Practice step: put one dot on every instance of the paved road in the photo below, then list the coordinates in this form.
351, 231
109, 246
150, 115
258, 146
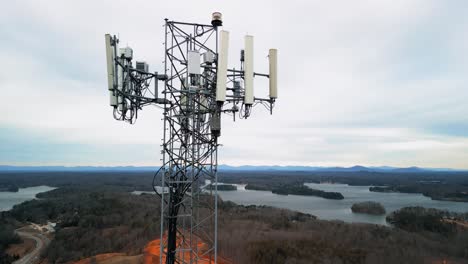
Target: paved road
33, 256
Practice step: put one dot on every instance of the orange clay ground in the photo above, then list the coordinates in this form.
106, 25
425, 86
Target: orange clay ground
151, 255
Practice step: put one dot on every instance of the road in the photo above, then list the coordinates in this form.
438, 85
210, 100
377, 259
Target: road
458, 222
41, 243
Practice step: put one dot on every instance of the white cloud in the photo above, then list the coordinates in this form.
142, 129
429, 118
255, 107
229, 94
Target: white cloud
361, 81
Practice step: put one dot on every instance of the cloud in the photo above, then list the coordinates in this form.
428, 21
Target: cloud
361, 82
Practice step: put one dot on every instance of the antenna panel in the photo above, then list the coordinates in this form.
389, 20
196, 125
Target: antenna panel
193, 63
110, 62
248, 71
208, 57
142, 66
120, 81
126, 52
221, 77
273, 56
113, 98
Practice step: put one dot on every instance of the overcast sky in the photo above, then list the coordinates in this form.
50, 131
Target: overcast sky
361, 82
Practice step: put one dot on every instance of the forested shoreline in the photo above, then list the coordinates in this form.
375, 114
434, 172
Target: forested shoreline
97, 214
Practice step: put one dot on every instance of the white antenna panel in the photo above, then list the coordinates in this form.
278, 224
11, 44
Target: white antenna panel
208, 57
113, 98
110, 62
222, 66
120, 80
193, 63
273, 56
126, 52
248, 71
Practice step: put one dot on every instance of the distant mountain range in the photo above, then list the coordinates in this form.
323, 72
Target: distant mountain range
356, 168
6, 168
76, 168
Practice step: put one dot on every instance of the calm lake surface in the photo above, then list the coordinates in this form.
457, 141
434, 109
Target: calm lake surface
9, 199
339, 209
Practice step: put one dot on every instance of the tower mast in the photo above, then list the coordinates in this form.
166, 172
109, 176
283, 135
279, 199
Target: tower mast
198, 89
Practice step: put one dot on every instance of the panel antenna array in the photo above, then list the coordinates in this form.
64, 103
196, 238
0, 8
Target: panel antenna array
197, 88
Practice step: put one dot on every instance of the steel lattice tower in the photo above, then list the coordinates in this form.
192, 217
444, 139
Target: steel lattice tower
196, 80
190, 147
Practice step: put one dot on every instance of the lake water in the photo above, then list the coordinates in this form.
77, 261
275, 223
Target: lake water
9, 199
339, 209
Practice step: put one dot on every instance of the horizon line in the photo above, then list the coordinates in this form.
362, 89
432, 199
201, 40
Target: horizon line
381, 167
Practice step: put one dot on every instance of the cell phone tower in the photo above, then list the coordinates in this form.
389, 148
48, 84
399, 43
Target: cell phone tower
198, 87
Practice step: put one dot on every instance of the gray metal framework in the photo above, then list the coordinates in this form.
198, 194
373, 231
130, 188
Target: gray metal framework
187, 180
190, 148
